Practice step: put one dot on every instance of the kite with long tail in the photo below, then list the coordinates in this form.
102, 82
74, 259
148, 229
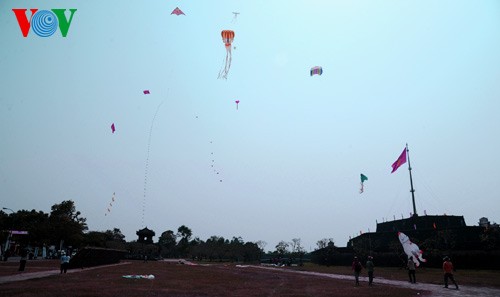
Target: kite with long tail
363, 178
147, 163
110, 204
227, 38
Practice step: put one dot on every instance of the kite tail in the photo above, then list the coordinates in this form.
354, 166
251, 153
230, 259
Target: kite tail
225, 71
147, 163
362, 189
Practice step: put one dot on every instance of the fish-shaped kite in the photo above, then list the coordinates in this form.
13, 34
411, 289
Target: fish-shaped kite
411, 249
113, 128
177, 11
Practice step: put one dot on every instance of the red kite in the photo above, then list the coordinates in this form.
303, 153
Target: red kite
227, 38
177, 11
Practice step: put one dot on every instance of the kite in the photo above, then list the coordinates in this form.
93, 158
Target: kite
147, 162
177, 11
227, 38
113, 128
318, 70
235, 16
411, 249
110, 204
146, 92
237, 102
363, 178
214, 166
139, 276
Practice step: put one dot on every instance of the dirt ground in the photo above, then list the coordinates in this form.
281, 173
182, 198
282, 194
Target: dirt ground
174, 279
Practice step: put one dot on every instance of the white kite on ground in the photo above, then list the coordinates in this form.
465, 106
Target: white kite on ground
145, 276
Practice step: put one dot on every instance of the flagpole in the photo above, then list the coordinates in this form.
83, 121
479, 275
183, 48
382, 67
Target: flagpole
411, 182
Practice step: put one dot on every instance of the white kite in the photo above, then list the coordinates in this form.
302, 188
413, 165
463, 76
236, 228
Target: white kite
411, 249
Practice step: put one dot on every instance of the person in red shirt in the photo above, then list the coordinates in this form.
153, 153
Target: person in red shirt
448, 272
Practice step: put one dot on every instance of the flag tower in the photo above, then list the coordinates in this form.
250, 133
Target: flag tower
411, 182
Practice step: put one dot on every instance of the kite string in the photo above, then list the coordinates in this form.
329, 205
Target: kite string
147, 162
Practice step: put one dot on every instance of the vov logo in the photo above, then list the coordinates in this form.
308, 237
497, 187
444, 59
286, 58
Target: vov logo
43, 22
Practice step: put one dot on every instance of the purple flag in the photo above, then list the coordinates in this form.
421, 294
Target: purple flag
400, 161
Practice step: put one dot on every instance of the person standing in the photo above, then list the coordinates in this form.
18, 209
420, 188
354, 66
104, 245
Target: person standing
448, 272
24, 256
369, 268
64, 262
356, 267
411, 270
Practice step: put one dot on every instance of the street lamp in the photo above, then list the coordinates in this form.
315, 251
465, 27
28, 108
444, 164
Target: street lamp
8, 236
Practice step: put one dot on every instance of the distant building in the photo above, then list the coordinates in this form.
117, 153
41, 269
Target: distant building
447, 231
483, 222
436, 235
145, 235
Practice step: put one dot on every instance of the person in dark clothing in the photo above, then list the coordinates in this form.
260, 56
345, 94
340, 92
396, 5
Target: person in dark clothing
411, 270
370, 267
356, 267
22, 263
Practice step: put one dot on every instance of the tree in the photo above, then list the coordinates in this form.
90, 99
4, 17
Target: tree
167, 243
298, 250
323, 243
325, 253
66, 224
116, 235
490, 239
184, 233
183, 245
282, 248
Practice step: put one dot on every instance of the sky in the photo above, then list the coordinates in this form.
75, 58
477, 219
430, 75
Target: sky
289, 158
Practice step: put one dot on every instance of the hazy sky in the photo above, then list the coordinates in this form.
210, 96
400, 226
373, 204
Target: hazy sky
426, 73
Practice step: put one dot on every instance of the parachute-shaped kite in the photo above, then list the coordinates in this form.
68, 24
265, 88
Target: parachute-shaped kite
177, 11
110, 204
227, 38
363, 178
318, 70
411, 249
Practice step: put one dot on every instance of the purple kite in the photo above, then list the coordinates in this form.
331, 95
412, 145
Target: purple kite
177, 11
113, 128
146, 92
237, 102
316, 70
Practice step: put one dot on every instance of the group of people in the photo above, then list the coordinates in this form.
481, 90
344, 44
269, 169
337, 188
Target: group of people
357, 267
410, 265
24, 255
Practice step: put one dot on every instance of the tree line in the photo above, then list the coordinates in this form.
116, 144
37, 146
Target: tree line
65, 227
